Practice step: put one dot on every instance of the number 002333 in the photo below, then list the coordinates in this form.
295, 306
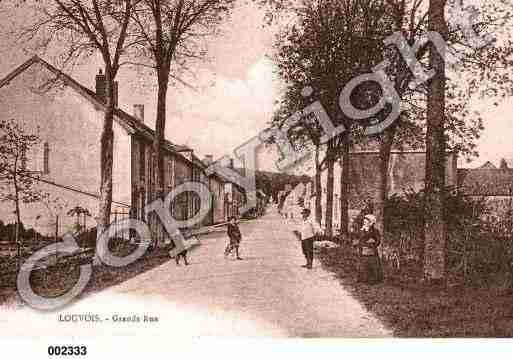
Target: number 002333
67, 350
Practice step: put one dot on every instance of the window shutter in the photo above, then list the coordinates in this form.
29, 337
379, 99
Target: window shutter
34, 158
46, 158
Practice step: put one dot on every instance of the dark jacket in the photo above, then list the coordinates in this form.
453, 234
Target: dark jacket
234, 232
367, 246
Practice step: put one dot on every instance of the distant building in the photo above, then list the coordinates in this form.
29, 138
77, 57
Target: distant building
506, 163
406, 172
493, 185
217, 189
488, 165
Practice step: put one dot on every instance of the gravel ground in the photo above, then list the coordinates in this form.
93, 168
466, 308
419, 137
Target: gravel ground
266, 294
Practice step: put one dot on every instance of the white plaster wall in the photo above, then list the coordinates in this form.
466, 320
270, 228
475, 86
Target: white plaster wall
72, 127
336, 195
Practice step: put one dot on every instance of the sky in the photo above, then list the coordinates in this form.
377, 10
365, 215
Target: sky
235, 93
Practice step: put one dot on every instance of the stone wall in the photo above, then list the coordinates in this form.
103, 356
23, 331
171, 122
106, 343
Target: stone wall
406, 172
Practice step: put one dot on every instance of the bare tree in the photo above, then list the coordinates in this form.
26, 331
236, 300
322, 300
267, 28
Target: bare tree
318, 186
85, 27
17, 180
169, 34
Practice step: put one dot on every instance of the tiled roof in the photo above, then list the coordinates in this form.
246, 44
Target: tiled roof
488, 165
127, 121
198, 162
485, 181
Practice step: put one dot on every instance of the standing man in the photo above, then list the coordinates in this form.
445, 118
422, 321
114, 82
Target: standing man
306, 233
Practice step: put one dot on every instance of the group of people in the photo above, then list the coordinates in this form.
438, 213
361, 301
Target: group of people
366, 242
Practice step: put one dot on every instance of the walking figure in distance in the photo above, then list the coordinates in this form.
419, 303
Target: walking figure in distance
235, 237
306, 233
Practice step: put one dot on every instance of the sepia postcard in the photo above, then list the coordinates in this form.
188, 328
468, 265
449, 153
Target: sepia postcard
190, 177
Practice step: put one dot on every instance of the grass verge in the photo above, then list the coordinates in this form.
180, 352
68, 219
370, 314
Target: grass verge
412, 309
56, 280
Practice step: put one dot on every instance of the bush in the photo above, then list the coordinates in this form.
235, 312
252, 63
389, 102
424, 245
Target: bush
407, 210
87, 239
477, 251
8, 232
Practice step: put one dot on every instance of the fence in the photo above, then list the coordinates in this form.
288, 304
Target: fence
120, 214
8, 271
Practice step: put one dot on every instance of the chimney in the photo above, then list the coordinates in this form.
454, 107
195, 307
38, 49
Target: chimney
100, 88
208, 159
100, 85
139, 112
243, 169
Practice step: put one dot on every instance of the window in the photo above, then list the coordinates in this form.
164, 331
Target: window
24, 159
46, 158
171, 173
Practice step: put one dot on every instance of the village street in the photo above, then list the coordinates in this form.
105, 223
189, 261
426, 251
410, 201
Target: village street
266, 294
268, 288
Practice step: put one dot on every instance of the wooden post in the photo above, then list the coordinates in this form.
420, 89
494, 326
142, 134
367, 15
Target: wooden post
18, 247
56, 235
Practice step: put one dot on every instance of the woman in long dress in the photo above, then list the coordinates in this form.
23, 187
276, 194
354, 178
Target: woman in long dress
370, 270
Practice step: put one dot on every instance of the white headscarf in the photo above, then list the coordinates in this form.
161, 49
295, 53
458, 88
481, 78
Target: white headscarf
371, 218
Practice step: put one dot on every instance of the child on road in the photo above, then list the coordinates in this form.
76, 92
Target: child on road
235, 237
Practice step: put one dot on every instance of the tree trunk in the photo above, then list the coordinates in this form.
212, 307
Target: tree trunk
382, 181
158, 159
434, 229
106, 157
160, 128
344, 187
18, 217
318, 187
329, 193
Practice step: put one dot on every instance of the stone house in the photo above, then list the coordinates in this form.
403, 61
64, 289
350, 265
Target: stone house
235, 199
217, 189
228, 197
70, 118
